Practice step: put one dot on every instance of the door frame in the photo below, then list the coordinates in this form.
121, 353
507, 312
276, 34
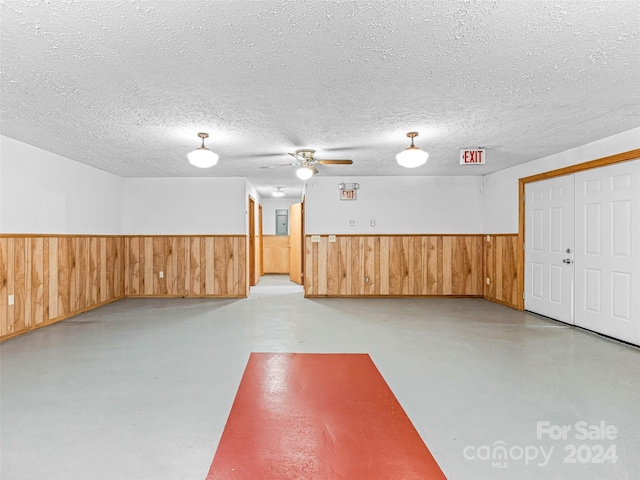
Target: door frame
260, 241
303, 243
296, 245
252, 241
580, 167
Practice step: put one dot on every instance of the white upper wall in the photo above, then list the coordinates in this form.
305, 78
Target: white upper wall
41, 192
411, 205
185, 206
501, 188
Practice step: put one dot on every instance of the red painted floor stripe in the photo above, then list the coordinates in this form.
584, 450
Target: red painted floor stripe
318, 416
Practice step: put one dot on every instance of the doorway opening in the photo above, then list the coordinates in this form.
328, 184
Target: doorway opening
282, 249
276, 284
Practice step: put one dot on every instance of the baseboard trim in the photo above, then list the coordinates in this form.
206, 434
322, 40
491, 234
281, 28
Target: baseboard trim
58, 319
185, 296
392, 296
506, 304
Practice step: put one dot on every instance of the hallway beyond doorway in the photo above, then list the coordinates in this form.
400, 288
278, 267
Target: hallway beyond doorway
275, 284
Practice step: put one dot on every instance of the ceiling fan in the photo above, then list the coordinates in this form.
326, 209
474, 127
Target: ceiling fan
307, 163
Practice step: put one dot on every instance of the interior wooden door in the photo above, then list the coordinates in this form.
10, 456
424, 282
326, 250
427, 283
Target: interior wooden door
252, 242
549, 244
260, 240
608, 250
276, 254
295, 243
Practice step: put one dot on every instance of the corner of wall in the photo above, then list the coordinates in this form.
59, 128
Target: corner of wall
483, 223
2, 189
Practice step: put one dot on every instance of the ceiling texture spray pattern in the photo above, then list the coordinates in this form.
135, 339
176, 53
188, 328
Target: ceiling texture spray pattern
125, 86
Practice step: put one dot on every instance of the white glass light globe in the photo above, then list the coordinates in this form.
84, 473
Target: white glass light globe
412, 157
202, 158
304, 173
277, 193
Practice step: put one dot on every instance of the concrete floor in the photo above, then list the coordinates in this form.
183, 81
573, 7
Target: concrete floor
141, 389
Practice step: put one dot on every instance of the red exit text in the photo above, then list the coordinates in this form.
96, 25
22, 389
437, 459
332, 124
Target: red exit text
472, 157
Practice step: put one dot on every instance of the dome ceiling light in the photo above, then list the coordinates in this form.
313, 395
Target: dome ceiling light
412, 156
203, 157
305, 172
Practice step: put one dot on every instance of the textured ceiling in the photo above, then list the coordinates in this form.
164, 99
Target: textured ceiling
126, 85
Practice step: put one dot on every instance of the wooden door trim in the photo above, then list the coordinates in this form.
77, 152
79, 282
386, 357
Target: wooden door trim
252, 241
260, 240
597, 163
302, 241
296, 243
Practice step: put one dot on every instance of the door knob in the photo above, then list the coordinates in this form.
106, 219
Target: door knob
566, 260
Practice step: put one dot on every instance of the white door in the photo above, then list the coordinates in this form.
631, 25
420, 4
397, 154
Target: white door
607, 257
549, 230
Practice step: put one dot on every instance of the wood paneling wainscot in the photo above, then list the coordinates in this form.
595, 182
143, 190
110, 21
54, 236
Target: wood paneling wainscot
394, 265
501, 268
276, 253
54, 277
191, 266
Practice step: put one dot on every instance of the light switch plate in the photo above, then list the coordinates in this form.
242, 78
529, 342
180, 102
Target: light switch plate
161, 274
332, 238
315, 238
11, 299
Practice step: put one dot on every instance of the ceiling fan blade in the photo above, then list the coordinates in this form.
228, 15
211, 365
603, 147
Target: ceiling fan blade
265, 155
344, 149
334, 162
281, 165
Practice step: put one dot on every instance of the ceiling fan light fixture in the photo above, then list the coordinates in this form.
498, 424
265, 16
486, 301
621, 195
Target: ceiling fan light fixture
277, 192
202, 157
412, 156
304, 173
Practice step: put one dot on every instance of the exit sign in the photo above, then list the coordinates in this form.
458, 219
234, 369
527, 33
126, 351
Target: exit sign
472, 157
347, 194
